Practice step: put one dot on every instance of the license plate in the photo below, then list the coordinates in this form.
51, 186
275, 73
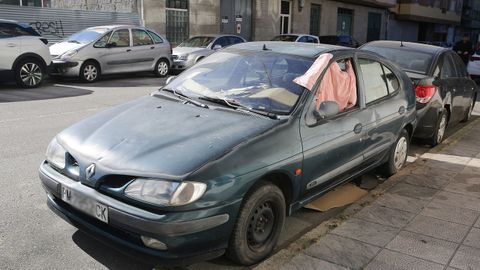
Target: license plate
85, 204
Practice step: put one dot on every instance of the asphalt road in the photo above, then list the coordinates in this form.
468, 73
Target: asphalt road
31, 236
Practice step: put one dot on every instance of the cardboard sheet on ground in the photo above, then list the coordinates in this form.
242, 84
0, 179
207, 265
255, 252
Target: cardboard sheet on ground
343, 195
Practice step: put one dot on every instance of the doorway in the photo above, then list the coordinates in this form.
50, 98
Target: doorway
236, 18
315, 13
344, 21
374, 26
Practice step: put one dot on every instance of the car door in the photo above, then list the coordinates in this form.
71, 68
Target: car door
332, 147
116, 56
452, 87
10, 45
162, 47
144, 51
469, 86
385, 107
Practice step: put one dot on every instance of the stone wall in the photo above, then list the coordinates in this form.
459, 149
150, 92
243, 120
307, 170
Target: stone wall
126, 6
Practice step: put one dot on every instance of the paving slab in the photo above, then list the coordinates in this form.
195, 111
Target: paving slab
451, 213
305, 262
386, 216
343, 251
432, 181
368, 232
466, 258
453, 165
404, 189
400, 202
424, 247
437, 228
433, 172
473, 238
292, 226
467, 184
459, 200
391, 260
477, 224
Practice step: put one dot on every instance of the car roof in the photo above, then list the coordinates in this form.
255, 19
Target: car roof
217, 35
310, 50
8, 21
116, 26
407, 46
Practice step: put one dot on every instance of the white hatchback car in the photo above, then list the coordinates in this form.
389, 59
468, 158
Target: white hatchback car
24, 55
101, 50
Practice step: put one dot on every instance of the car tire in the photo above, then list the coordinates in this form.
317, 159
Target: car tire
468, 113
440, 128
89, 72
397, 157
29, 73
259, 224
162, 68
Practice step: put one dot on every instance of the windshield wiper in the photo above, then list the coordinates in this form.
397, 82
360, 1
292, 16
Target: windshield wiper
73, 41
185, 98
237, 106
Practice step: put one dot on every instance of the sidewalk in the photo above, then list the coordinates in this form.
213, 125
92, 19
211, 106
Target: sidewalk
425, 217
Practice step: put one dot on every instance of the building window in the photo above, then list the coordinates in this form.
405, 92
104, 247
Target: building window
177, 20
285, 17
344, 21
29, 3
315, 12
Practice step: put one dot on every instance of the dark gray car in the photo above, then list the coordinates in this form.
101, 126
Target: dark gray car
445, 92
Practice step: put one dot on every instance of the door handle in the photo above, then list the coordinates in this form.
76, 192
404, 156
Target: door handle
153, 47
358, 128
11, 45
129, 50
401, 110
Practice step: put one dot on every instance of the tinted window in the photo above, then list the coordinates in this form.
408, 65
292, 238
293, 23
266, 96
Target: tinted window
302, 39
288, 38
374, 80
448, 68
312, 40
7, 30
141, 38
459, 66
328, 39
197, 42
121, 38
408, 60
235, 40
155, 37
222, 41
27, 30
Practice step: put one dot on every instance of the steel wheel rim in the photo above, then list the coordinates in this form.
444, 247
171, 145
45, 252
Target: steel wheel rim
400, 154
162, 68
90, 72
31, 74
441, 128
261, 225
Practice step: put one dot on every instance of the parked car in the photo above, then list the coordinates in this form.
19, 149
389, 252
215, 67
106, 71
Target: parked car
445, 93
215, 160
346, 41
194, 49
24, 55
473, 66
102, 50
297, 38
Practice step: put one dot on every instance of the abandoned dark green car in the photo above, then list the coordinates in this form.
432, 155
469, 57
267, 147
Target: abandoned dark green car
213, 162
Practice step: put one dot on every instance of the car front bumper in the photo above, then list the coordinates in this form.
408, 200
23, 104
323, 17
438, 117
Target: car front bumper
180, 65
66, 68
189, 236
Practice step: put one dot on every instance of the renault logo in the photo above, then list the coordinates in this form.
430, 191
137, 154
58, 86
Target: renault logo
90, 171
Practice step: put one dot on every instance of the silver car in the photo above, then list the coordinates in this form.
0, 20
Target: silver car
103, 50
195, 48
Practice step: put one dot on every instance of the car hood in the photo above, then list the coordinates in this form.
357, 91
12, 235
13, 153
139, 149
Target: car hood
157, 137
63, 47
188, 50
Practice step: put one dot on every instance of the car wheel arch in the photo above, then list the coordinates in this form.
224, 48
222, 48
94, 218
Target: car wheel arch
409, 128
166, 59
96, 62
27, 56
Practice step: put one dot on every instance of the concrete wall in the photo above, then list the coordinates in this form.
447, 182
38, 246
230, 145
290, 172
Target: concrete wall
126, 6
154, 15
266, 19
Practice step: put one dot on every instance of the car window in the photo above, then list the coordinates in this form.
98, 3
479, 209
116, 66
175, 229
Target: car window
222, 41
235, 40
7, 30
302, 39
393, 83
448, 68
121, 38
459, 66
374, 80
141, 38
103, 41
155, 37
312, 40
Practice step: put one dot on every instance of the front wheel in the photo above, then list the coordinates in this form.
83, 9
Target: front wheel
29, 73
90, 72
162, 68
397, 156
258, 226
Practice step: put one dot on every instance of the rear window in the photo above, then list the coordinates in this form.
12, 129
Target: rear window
288, 38
408, 60
328, 39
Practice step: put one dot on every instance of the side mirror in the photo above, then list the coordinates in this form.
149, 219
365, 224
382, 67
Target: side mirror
170, 79
327, 109
217, 47
111, 45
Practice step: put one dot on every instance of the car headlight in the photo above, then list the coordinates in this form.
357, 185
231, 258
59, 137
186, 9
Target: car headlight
56, 154
183, 57
69, 54
167, 193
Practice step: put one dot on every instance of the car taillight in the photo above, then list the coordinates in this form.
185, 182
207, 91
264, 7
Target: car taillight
44, 40
425, 92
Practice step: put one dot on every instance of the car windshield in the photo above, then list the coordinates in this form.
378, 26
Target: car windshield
408, 60
257, 80
86, 36
201, 42
289, 38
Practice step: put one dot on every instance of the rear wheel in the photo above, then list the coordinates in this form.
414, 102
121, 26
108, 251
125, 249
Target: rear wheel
397, 156
441, 126
162, 68
29, 73
258, 226
468, 114
90, 72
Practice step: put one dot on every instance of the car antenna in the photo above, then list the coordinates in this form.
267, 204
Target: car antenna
265, 48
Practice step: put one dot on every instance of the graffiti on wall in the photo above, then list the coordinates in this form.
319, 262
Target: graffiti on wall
53, 28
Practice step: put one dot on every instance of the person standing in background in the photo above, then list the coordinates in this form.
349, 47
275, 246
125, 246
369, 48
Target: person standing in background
464, 48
